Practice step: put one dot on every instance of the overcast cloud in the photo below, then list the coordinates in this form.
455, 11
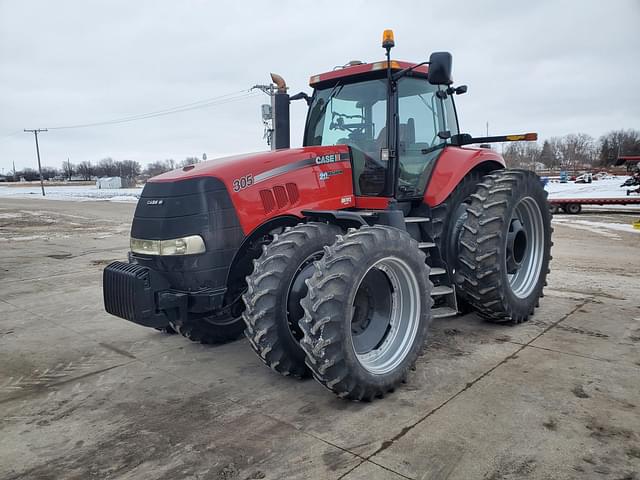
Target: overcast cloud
555, 67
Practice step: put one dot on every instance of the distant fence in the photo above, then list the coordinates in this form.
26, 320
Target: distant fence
555, 172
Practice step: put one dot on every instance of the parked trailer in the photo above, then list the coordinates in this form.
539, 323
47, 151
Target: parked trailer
574, 205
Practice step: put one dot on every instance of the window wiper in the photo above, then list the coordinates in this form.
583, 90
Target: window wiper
404, 71
433, 149
337, 88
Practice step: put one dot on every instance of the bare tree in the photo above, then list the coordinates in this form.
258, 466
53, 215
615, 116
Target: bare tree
522, 155
618, 142
555, 145
49, 172
107, 167
68, 169
86, 170
579, 151
29, 174
128, 168
160, 166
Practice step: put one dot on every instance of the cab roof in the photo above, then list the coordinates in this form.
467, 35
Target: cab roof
352, 70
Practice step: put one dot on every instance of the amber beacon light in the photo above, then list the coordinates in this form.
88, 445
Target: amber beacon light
387, 39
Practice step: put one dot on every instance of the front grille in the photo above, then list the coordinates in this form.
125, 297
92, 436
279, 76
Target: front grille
196, 206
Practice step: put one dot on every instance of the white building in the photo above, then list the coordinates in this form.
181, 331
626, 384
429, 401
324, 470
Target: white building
109, 182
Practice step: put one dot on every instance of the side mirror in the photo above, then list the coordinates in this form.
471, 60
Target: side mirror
461, 139
440, 65
457, 90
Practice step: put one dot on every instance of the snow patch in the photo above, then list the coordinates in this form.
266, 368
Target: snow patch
605, 188
82, 193
601, 228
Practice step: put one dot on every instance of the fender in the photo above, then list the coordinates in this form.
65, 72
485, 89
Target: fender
241, 265
451, 167
342, 218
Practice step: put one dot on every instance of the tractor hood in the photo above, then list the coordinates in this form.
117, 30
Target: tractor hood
255, 187
238, 170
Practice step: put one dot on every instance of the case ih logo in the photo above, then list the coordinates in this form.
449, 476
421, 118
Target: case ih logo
155, 202
322, 159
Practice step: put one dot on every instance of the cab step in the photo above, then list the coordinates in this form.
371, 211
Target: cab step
426, 244
441, 290
443, 312
416, 219
436, 271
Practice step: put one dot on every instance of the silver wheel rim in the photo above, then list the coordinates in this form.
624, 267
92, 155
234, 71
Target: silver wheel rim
403, 318
530, 254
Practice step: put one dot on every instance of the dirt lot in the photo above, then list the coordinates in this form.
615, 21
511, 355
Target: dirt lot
85, 395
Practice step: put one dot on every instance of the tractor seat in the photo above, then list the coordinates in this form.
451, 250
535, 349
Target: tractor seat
406, 133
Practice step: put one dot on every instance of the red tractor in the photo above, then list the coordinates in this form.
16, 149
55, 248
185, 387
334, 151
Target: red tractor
334, 258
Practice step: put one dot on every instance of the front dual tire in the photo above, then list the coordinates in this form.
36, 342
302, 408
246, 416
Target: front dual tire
274, 291
361, 318
367, 312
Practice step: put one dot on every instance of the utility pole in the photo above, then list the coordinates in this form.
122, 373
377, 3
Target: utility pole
35, 132
267, 113
14, 170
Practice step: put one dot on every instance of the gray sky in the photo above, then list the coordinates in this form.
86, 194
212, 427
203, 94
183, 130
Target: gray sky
555, 67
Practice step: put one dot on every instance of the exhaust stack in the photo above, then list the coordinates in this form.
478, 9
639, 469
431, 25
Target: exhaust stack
280, 108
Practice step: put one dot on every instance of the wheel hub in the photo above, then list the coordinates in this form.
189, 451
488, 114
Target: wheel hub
371, 311
386, 311
516, 245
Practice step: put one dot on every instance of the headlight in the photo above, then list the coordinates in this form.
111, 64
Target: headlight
178, 246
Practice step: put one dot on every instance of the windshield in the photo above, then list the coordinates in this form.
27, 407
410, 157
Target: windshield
355, 115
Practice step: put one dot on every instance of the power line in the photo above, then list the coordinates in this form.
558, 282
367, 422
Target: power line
205, 103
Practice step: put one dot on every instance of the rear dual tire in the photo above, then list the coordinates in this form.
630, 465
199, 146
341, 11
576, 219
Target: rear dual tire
505, 246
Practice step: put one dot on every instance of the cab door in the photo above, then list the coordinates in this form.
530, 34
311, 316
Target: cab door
423, 113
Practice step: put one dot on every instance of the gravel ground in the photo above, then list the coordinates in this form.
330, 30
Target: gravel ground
86, 395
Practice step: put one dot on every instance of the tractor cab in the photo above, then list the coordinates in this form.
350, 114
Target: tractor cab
395, 118
352, 107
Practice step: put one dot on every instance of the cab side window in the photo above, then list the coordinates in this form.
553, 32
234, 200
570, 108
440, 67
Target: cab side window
421, 118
